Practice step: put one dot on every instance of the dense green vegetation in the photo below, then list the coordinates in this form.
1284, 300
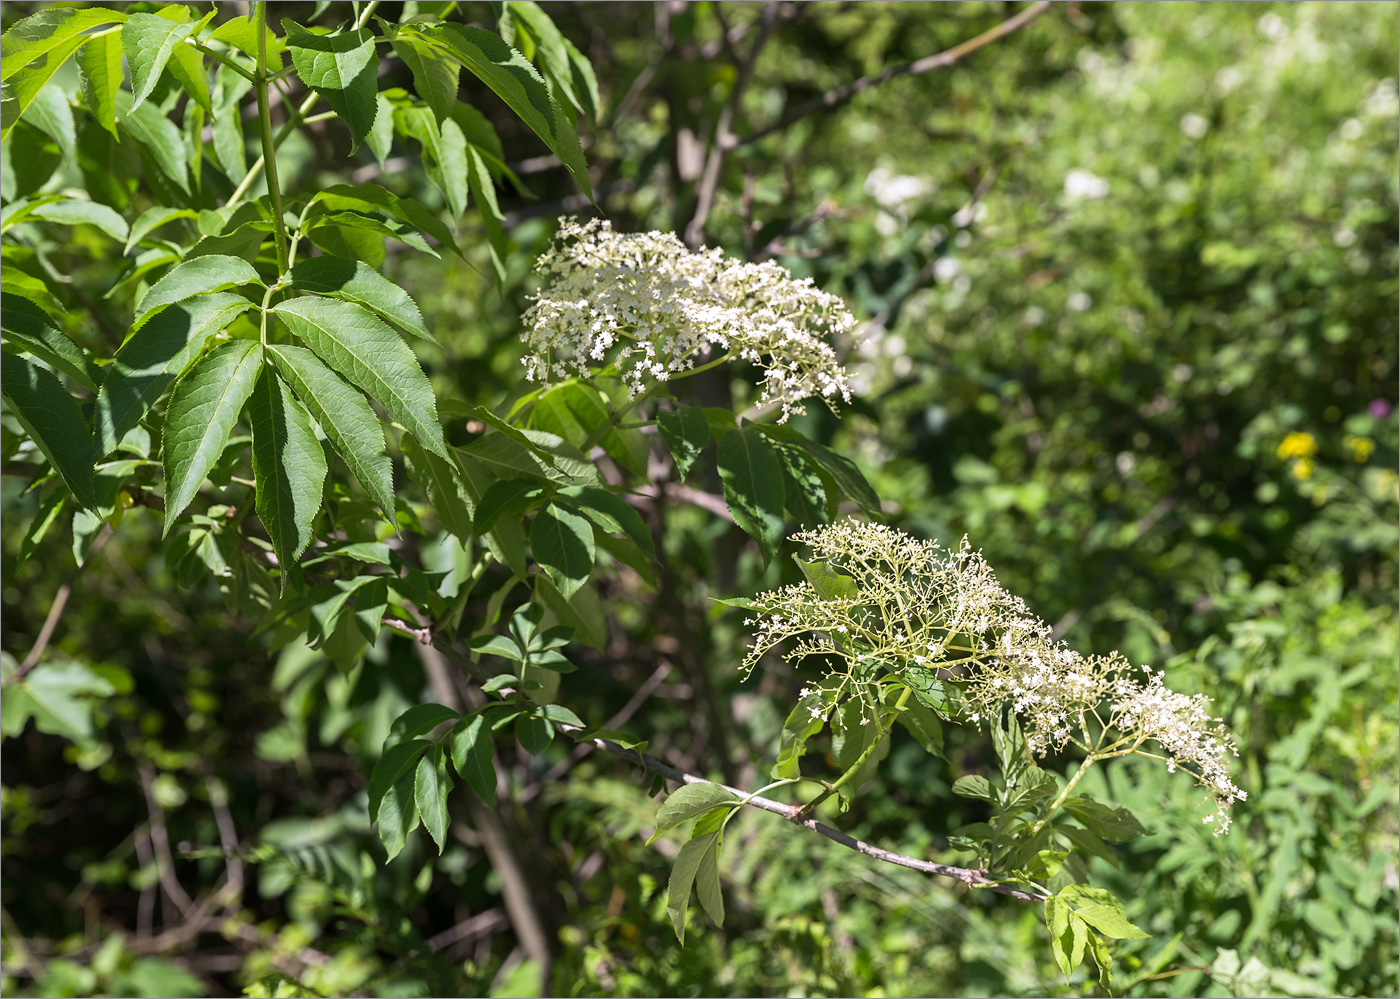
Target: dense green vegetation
1124, 278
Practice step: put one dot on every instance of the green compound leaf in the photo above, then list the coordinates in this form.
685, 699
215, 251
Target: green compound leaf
158, 134
431, 786
752, 477
52, 114
483, 192
444, 156
342, 68
100, 73
1116, 825
686, 432
341, 410
375, 199
71, 211
394, 764
288, 466
40, 34
435, 74
612, 513
199, 276
398, 815
149, 40
53, 421
472, 753
563, 545
515, 81
201, 416
502, 497
354, 342
683, 873
32, 332
534, 733
156, 355
443, 483
355, 281
690, 801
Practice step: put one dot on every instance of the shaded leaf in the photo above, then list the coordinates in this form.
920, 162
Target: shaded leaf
202, 413
100, 74
686, 432
612, 513
27, 331
355, 281
683, 872
158, 134
752, 478
288, 466
51, 417
431, 786
342, 68
563, 546
435, 74
394, 763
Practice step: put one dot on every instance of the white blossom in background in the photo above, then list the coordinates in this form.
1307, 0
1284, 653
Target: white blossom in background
653, 307
916, 606
1081, 184
1193, 126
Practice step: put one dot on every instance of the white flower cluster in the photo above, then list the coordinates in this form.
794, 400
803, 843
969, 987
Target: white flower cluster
906, 606
654, 307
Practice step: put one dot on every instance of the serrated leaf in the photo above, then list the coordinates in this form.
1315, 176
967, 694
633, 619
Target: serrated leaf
1116, 825
826, 582
417, 720
686, 432
201, 416
689, 801
153, 218
371, 601
51, 417
472, 755
158, 134
515, 81
844, 471
18, 94
1110, 920
804, 721
47, 515
431, 786
483, 193
148, 41
707, 887
288, 466
502, 497
533, 733
683, 872
353, 341
974, 786
100, 74
51, 113
612, 513
71, 211
194, 277
155, 356
31, 38
381, 134
804, 494
58, 696
496, 645
398, 815
444, 486
346, 418
752, 477
435, 74
242, 33
562, 542
394, 764
356, 281
924, 725
444, 156
342, 68
374, 199
27, 331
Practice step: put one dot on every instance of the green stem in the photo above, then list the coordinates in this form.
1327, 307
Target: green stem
615, 418
364, 14
219, 57
269, 145
860, 762
1089, 761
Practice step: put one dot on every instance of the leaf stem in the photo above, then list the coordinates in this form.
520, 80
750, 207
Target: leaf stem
861, 760
269, 145
364, 14
219, 57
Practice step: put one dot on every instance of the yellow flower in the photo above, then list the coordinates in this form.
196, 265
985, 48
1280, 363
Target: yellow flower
1302, 468
1361, 447
1298, 445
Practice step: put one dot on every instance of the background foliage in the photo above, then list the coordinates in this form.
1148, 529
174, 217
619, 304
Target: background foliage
1129, 285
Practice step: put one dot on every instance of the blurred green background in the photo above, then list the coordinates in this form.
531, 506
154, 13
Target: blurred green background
1128, 288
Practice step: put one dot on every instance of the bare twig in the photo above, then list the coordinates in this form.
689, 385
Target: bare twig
468, 929
60, 601
722, 140
160, 843
840, 95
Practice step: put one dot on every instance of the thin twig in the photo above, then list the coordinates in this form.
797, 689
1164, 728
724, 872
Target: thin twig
723, 136
840, 95
968, 876
60, 601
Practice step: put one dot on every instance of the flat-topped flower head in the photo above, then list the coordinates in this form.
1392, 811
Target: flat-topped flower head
647, 303
912, 608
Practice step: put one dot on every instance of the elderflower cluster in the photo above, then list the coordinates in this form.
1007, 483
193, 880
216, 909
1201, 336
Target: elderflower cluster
654, 308
891, 604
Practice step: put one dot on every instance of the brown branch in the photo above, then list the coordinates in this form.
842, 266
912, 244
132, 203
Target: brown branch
840, 95
722, 141
968, 876
60, 601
